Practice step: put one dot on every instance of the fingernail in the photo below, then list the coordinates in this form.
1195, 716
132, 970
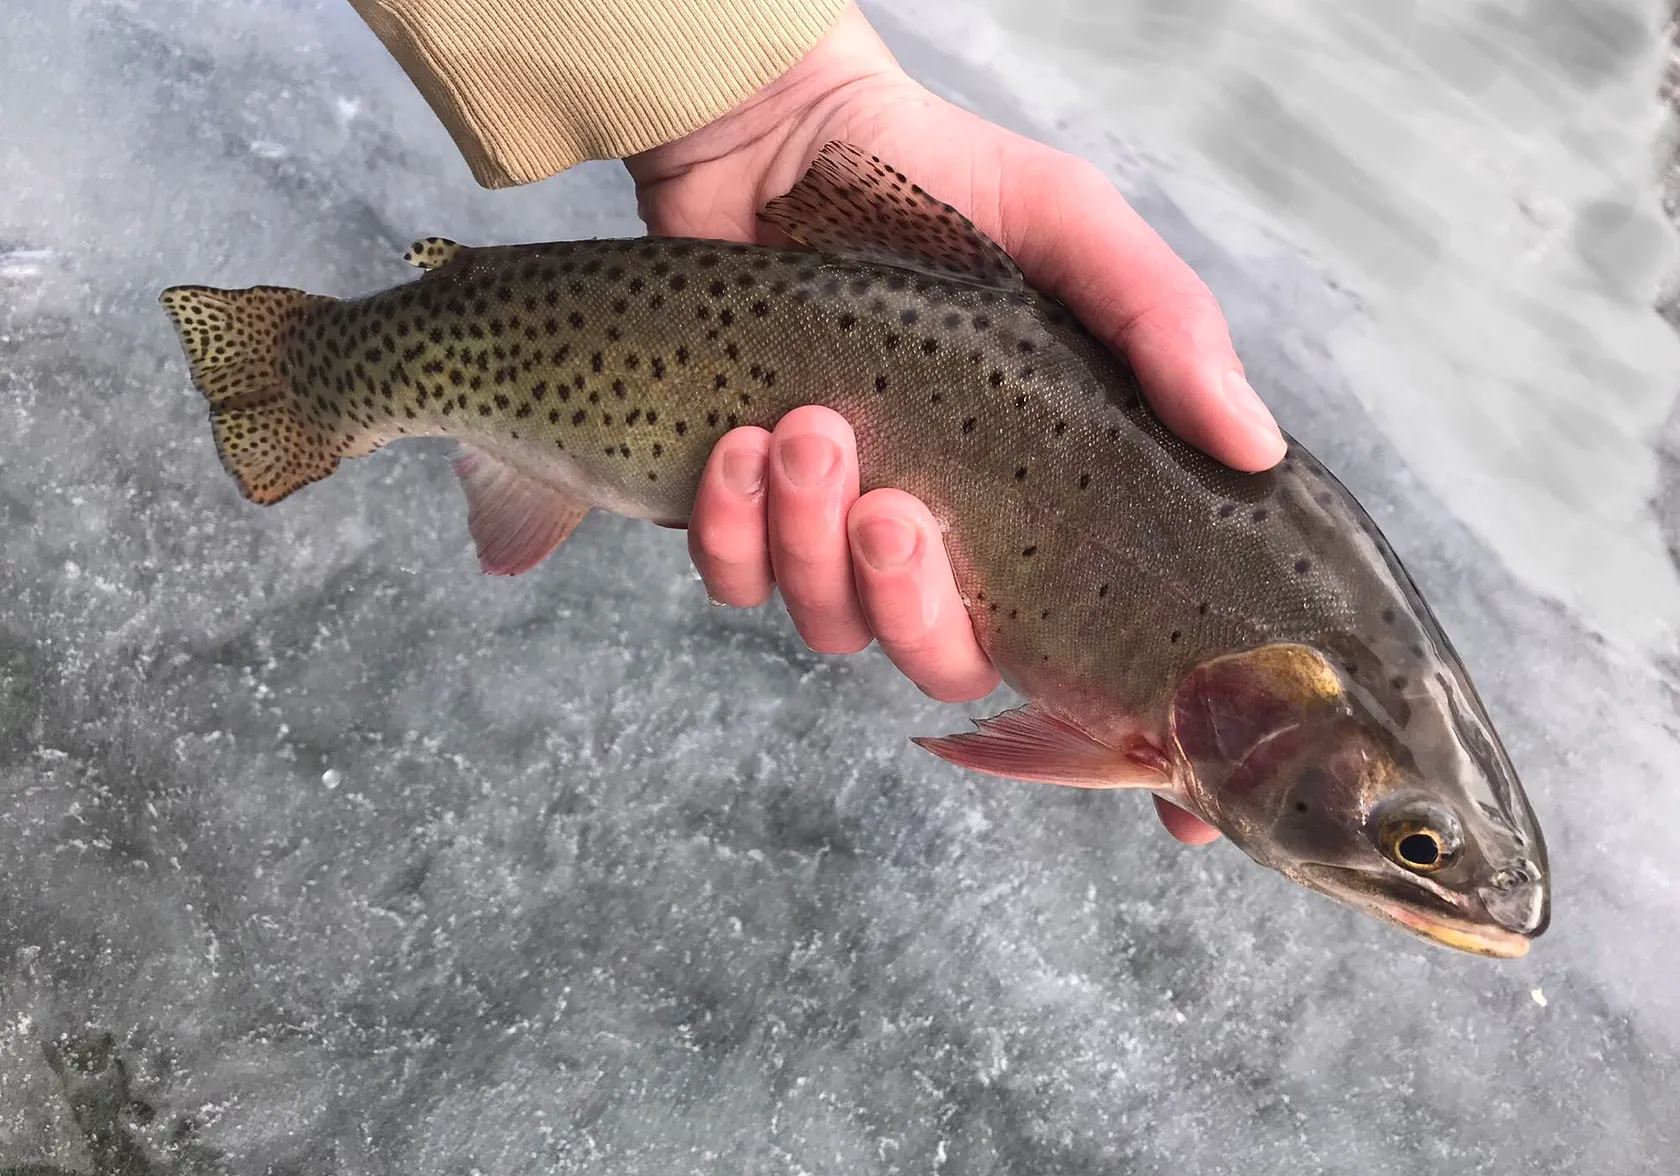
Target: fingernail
1242, 397
743, 472
808, 460
887, 543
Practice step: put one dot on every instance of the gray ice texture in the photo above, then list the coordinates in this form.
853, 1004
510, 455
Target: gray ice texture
322, 853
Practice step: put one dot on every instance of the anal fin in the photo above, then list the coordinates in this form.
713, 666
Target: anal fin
515, 520
1029, 743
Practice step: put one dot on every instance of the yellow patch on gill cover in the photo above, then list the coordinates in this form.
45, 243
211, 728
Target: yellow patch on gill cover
1296, 673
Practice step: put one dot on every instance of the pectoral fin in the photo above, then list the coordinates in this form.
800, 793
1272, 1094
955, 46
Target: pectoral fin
514, 519
1029, 743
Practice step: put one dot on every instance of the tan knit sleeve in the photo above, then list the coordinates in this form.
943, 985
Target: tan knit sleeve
530, 87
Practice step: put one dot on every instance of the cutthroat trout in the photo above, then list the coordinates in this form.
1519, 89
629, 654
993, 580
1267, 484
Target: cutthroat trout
1245, 645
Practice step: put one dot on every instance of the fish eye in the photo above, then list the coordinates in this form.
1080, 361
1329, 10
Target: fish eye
1421, 840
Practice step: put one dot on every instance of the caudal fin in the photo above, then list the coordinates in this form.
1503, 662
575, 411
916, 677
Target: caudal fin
232, 339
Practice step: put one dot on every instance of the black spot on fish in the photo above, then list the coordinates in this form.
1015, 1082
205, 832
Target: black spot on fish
1260, 514
981, 322
1398, 681
1021, 474
619, 390
717, 289
1175, 635
953, 321
881, 383
682, 428
682, 356
1302, 567
712, 419
678, 282
575, 318
968, 424
579, 416
1227, 509
596, 362
907, 316
1102, 591
732, 351
761, 309
1388, 616
1084, 481
1025, 347
929, 346
848, 321
1029, 551
996, 378
658, 367
720, 381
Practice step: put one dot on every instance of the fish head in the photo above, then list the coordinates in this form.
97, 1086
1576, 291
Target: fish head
1405, 808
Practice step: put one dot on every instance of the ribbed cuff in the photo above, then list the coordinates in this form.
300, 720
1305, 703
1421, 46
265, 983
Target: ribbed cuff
528, 88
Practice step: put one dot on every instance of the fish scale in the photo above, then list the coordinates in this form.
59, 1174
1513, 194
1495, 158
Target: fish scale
1134, 590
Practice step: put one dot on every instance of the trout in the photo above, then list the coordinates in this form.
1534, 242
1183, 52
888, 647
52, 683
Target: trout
1244, 645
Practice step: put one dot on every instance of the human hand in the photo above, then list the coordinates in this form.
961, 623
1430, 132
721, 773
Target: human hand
783, 508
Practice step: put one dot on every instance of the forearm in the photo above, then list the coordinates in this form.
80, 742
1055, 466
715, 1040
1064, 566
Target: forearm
528, 88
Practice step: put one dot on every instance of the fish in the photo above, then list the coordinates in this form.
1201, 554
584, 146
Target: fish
1245, 645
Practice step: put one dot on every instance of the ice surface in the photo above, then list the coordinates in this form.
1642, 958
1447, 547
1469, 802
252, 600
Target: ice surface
368, 863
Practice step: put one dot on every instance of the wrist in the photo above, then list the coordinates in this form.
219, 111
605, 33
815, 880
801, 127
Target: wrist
850, 61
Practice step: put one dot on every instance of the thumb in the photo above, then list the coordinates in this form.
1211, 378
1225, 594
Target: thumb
1080, 241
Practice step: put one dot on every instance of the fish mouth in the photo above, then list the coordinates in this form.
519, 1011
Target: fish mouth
1440, 925
1458, 933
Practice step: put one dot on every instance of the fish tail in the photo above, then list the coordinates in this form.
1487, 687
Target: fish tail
233, 341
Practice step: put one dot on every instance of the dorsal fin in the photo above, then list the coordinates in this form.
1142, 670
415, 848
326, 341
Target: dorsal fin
859, 206
429, 253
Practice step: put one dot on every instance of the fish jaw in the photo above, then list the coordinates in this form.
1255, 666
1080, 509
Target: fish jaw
1483, 937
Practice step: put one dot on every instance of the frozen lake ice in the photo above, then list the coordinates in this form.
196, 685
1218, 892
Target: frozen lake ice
368, 863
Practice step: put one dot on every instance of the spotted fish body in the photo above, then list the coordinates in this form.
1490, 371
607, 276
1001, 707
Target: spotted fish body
1167, 618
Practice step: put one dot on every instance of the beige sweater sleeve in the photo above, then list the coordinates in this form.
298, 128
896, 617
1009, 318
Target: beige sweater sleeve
530, 87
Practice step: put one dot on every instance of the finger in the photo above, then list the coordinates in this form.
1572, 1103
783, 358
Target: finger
811, 482
727, 528
910, 598
1188, 829
1083, 242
